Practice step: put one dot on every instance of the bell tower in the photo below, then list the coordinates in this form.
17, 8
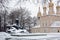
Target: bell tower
39, 16
44, 8
39, 13
51, 8
58, 8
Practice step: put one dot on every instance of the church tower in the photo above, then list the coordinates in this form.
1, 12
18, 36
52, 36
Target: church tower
58, 9
44, 8
51, 8
39, 14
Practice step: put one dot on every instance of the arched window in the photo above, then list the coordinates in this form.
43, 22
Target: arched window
38, 17
58, 30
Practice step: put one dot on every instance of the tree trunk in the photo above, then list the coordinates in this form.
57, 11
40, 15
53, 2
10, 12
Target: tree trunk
29, 30
4, 22
0, 24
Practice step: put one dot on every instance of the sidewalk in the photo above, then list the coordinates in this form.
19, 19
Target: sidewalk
50, 36
4, 35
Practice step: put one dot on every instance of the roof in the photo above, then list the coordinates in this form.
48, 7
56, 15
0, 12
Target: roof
56, 24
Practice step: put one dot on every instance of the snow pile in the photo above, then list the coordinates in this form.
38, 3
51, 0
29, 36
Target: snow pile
4, 35
37, 36
49, 36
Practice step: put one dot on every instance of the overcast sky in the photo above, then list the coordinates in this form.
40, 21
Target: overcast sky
32, 6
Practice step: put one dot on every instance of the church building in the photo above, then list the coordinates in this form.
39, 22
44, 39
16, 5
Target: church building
48, 23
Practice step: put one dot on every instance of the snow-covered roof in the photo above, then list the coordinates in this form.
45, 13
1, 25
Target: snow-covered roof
56, 24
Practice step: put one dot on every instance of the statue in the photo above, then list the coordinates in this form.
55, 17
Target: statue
17, 22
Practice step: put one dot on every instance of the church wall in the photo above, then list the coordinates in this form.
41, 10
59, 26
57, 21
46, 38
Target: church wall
58, 10
46, 21
46, 30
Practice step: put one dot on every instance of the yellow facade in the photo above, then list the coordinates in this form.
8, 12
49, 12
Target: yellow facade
46, 21
46, 30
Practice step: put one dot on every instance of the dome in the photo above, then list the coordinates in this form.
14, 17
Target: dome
51, 4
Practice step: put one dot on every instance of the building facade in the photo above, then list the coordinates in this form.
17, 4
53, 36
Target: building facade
48, 23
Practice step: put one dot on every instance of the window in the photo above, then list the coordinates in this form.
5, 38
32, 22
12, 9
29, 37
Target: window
58, 30
45, 30
43, 24
38, 17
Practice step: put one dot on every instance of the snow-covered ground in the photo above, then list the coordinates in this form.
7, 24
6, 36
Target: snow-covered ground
49, 36
4, 35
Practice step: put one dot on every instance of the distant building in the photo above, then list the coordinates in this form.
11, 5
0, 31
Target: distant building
48, 23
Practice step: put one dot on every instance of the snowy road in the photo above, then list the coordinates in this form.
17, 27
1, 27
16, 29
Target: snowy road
50, 36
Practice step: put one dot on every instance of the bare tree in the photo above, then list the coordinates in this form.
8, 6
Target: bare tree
0, 23
22, 16
3, 12
34, 21
29, 23
25, 20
